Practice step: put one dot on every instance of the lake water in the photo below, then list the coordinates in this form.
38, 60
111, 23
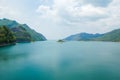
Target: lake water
50, 60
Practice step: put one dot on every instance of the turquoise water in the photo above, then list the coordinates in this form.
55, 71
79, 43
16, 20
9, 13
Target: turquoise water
50, 60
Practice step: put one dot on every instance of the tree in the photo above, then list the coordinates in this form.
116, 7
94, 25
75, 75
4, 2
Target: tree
6, 35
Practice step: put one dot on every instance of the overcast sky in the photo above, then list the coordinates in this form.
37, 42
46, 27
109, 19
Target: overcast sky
56, 19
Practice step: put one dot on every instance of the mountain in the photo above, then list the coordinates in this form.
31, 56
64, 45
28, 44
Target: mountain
35, 36
22, 32
82, 37
113, 36
6, 36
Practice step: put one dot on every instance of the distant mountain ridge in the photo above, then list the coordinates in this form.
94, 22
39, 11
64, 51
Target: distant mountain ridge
113, 36
82, 36
22, 32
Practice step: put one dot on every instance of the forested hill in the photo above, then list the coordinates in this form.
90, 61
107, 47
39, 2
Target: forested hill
6, 36
22, 32
113, 36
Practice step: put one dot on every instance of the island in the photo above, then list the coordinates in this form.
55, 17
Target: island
60, 40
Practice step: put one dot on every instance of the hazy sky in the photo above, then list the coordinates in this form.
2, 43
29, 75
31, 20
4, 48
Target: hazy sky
56, 19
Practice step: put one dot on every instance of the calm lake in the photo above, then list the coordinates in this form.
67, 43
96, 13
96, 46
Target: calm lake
50, 60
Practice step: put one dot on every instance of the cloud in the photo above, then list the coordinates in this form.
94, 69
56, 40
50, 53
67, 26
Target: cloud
6, 11
71, 11
84, 13
59, 18
43, 9
74, 16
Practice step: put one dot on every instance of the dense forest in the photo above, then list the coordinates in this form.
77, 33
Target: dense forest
6, 36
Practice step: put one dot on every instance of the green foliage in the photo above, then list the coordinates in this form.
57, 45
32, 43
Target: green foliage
110, 36
113, 36
6, 36
22, 32
34, 35
60, 40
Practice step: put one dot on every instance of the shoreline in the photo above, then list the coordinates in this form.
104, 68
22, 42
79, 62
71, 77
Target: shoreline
5, 44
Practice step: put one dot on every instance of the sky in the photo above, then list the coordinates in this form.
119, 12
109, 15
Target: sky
57, 19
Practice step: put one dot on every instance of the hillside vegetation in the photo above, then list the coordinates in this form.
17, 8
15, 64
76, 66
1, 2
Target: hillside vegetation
6, 36
22, 32
113, 36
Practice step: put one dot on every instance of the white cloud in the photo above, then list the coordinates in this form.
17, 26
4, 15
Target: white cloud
6, 11
74, 16
59, 18
10, 11
84, 13
43, 9
89, 10
69, 10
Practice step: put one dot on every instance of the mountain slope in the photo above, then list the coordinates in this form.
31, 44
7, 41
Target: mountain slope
82, 37
109, 36
6, 36
35, 36
22, 32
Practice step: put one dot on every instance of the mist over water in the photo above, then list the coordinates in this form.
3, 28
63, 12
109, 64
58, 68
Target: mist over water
50, 60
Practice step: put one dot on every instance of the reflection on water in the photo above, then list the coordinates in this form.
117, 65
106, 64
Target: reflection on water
10, 52
6, 57
51, 60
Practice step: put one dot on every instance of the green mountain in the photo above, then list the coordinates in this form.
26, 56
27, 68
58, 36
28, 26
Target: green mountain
22, 32
6, 36
113, 36
82, 37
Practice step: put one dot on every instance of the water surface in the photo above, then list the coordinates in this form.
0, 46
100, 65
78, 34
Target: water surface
50, 60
